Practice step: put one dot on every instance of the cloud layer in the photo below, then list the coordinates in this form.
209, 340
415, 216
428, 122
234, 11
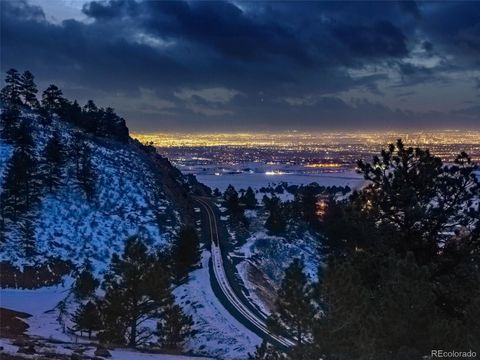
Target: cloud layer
200, 65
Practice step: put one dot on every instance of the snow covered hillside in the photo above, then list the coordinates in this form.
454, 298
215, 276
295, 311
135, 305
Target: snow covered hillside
260, 258
43, 248
67, 226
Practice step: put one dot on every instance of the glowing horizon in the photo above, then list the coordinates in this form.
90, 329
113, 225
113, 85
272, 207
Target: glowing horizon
294, 138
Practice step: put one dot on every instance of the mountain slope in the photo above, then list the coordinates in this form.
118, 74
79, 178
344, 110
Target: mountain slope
135, 193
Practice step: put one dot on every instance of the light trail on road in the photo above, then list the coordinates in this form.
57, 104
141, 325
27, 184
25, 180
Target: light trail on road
225, 287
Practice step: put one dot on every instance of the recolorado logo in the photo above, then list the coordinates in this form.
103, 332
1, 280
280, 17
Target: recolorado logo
453, 354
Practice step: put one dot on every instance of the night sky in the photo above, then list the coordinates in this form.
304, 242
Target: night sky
256, 66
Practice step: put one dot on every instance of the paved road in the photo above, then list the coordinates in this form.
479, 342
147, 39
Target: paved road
258, 321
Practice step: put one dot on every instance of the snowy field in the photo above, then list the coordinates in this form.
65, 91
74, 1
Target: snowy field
219, 334
42, 305
67, 349
258, 180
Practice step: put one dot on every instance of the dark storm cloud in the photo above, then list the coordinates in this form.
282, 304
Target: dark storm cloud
231, 65
111, 10
383, 39
411, 8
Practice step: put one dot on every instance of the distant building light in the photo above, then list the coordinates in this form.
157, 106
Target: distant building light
270, 173
321, 205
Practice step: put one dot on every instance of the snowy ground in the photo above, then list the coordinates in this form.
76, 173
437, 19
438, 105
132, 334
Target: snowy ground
43, 305
261, 259
219, 333
68, 349
258, 180
130, 355
264, 259
67, 225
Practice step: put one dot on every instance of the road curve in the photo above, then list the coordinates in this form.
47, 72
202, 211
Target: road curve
222, 280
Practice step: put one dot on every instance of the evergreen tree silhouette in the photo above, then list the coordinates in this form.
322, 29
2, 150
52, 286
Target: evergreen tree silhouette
85, 284
266, 351
10, 119
185, 251
174, 327
54, 154
28, 90
87, 318
136, 288
86, 175
19, 188
52, 99
10, 94
248, 199
28, 237
294, 308
276, 222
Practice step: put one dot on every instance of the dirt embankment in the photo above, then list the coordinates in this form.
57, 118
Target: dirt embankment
12, 323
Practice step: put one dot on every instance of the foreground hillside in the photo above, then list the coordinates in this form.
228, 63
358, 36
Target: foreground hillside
99, 241
68, 225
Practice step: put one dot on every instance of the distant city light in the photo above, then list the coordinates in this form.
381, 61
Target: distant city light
271, 173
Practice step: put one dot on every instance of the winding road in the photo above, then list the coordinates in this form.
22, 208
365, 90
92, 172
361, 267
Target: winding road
257, 321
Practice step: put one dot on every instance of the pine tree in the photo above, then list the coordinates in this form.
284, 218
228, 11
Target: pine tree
276, 222
249, 200
403, 275
407, 306
74, 114
231, 199
306, 201
414, 203
10, 119
28, 237
87, 318
28, 90
136, 287
45, 116
52, 99
266, 351
186, 251
115, 321
10, 94
232, 203
398, 318
85, 283
90, 107
111, 125
86, 176
421, 202
174, 327
348, 314
92, 117
19, 189
23, 138
294, 310
54, 155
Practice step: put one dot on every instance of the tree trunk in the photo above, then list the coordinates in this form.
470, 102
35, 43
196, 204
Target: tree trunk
133, 334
